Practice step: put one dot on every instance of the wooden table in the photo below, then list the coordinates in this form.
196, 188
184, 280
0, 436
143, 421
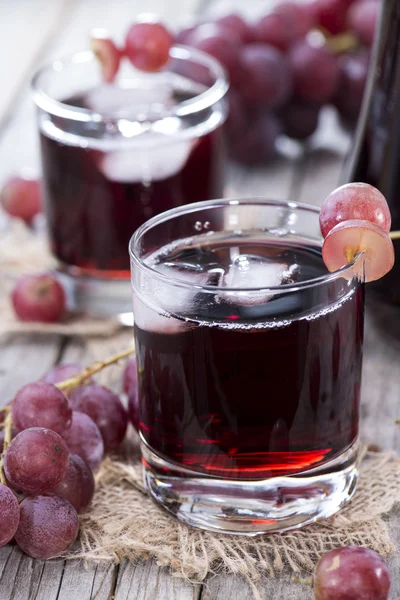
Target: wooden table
30, 31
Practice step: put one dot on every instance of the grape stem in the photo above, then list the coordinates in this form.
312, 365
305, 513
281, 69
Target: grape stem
303, 580
7, 440
93, 369
341, 43
394, 235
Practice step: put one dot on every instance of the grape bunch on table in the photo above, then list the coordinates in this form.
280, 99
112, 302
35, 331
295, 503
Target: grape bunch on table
285, 66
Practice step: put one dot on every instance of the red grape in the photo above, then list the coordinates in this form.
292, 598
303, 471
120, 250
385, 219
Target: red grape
315, 72
147, 45
267, 79
353, 75
258, 143
134, 408
362, 18
36, 460
299, 17
41, 404
354, 201
38, 298
106, 410
77, 486
351, 573
331, 14
300, 120
107, 54
238, 25
129, 376
9, 514
222, 44
84, 438
48, 526
272, 29
349, 238
62, 372
21, 197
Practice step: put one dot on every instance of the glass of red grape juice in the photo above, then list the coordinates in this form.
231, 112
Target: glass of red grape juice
115, 154
249, 363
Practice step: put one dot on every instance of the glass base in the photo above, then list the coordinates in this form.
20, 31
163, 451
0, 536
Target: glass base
251, 507
99, 297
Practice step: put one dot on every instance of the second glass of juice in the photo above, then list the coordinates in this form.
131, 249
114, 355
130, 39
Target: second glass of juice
249, 364
114, 155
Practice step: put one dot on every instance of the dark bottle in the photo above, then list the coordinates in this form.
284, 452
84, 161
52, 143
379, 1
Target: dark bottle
375, 157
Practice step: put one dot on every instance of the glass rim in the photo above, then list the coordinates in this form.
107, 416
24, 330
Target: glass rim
197, 103
225, 202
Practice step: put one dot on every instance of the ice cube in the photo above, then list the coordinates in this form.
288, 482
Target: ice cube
252, 272
148, 98
150, 318
149, 158
168, 298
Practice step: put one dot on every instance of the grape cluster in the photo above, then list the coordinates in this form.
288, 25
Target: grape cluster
286, 66
57, 441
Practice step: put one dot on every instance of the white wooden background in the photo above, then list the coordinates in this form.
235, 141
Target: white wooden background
30, 32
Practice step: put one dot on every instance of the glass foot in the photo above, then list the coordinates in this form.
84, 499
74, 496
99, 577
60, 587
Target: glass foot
251, 507
99, 297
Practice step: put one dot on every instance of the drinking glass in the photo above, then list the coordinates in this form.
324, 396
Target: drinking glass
249, 362
114, 155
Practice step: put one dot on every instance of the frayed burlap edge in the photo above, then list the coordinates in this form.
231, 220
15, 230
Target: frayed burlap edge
124, 523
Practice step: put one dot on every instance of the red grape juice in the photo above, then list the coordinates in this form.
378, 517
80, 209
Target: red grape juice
100, 188
241, 386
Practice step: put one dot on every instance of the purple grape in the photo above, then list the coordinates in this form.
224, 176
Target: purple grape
9, 514
129, 376
300, 18
84, 438
222, 45
331, 14
41, 404
299, 119
258, 144
267, 79
36, 460
106, 410
272, 29
236, 24
315, 72
353, 76
48, 526
77, 486
351, 573
362, 18
62, 372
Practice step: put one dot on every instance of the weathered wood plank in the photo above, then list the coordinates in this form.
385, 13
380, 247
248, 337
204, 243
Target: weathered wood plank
380, 390
25, 30
145, 581
20, 577
92, 581
235, 587
24, 359
50, 581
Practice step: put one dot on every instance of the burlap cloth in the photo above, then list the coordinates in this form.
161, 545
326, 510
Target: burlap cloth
124, 522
